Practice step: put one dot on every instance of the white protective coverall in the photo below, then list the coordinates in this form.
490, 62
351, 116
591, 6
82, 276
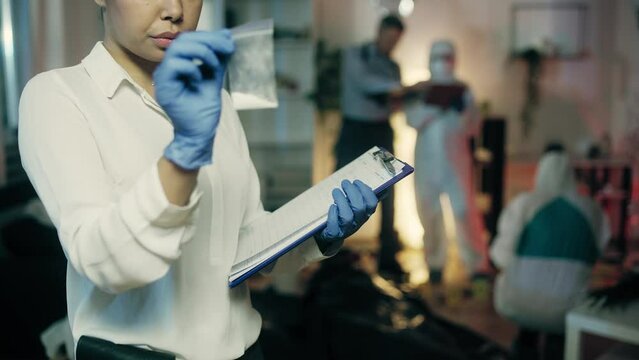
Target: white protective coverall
443, 167
547, 243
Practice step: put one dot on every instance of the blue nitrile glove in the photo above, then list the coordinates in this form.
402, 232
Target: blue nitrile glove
188, 85
346, 215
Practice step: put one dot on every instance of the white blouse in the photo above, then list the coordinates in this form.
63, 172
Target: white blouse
141, 270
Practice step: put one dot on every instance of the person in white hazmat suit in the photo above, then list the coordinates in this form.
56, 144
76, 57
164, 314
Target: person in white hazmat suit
445, 118
547, 243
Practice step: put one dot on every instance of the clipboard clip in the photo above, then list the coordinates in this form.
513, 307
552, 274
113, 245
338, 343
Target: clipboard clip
386, 159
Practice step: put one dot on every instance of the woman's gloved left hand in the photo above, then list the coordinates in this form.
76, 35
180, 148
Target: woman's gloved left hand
188, 86
354, 204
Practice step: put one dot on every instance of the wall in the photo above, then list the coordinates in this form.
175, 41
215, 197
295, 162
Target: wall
575, 102
62, 32
576, 98
625, 77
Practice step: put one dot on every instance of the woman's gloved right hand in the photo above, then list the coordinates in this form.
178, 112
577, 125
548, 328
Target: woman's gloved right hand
188, 84
354, 204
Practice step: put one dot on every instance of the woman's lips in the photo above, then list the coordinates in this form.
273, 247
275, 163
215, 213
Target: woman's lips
162, 42
164, 39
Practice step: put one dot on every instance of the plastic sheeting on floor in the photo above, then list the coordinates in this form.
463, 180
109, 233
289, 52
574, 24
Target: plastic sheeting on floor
349, 314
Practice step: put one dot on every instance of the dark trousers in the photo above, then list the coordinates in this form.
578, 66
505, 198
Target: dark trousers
535, 345
357, 137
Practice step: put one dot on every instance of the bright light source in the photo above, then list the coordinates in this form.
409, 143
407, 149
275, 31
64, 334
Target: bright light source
450, 227
406, 7
7, 30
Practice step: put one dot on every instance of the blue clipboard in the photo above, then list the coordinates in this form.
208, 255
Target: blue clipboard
406, 170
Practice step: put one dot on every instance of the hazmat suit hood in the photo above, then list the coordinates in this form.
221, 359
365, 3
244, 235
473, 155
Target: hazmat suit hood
442, 62
555, 175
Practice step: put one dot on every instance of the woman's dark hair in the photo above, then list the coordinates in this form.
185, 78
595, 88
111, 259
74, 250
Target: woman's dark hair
391, 22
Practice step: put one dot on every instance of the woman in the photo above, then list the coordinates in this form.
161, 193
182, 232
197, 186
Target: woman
143, 166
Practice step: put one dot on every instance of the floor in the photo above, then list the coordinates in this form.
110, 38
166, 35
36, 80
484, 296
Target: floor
453, 299
477, 314
462, 301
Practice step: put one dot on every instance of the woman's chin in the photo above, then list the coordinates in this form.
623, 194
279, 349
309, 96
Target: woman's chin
153, 54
